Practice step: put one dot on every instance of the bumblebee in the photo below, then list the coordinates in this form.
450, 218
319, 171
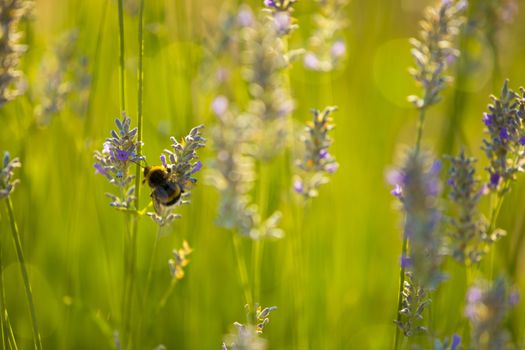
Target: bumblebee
166, 190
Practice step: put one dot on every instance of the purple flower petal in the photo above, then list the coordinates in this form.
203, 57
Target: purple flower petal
487, 119
456, 340
123, 156
298, 186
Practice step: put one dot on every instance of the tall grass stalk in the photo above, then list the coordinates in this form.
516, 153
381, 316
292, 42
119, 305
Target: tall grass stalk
129, 247
134, 234
8, 336
122, 61
23, 269
243, 272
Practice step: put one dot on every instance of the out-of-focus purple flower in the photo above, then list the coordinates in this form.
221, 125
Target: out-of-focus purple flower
245, 17
331, 168
338, 49
311, 61
298, 186
323, 154
282, 21
220, 105
514, 298
474, 294
521, 141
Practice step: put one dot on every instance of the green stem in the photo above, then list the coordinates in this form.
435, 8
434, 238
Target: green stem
23, 269
258, 246
241, 264
122, 60
146, 311
420, 123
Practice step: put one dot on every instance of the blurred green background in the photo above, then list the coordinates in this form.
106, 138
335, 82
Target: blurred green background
351, 236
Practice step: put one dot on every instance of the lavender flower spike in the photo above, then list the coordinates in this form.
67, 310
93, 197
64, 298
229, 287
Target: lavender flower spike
487, 308
434, 50
7, 183
119, 153
468, 239
505, 126
316, 162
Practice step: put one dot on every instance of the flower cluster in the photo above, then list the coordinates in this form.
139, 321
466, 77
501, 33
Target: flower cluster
11, 79
117, 156
414, 302
232, 173
316, 163
417, 186
436, 49
326, 47
505, 126
468, 236
7, 183
247, 337
487, 308
179, 261
182, 163
63, 74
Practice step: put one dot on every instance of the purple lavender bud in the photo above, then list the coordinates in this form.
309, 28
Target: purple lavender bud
338, 49
462, 5
223, 347
245, 17
522, 141
332, 168
196, 167
298, 186
270, 3
436, 168
397, 191
282, 21
163, 161
311, 61
323, 154
494, 179
456, 341
504, 134
514, 298
395, 177
123, 156
219, 105
474, 295
100, 170
487, 119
